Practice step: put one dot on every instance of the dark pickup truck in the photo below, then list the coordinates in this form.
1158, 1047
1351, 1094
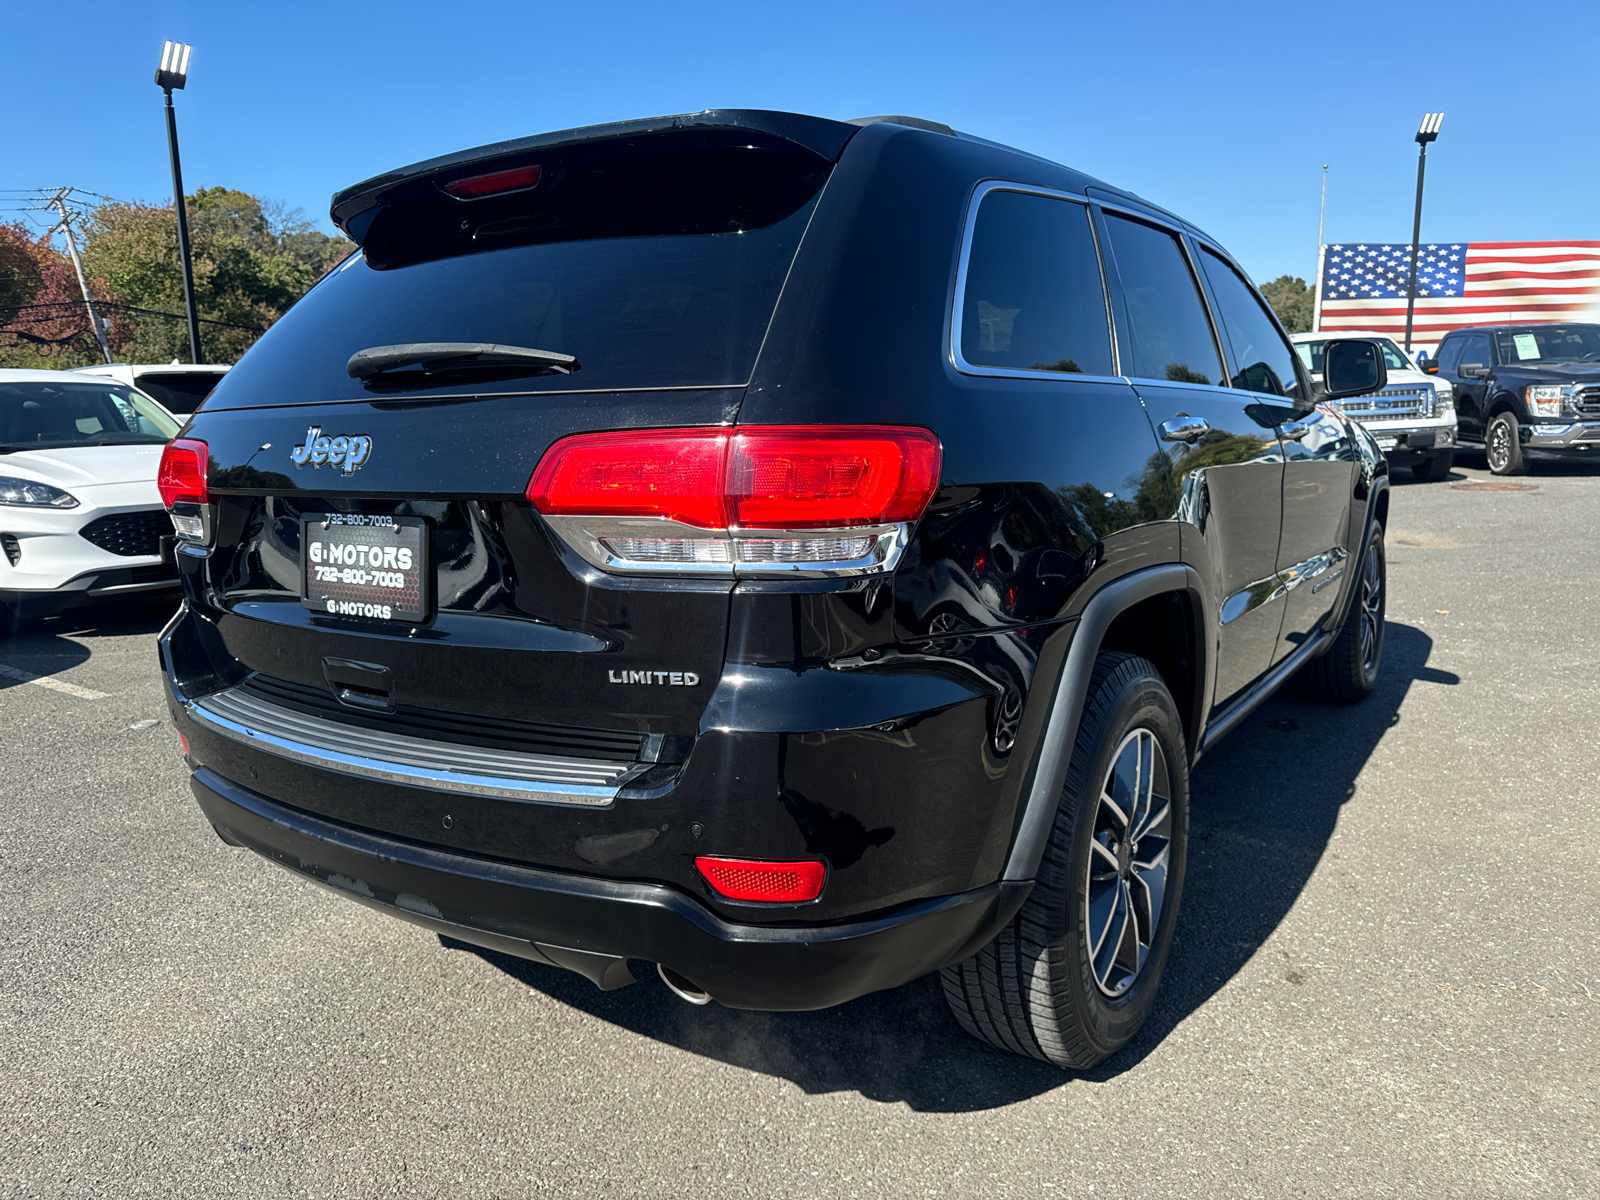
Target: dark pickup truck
1524, 391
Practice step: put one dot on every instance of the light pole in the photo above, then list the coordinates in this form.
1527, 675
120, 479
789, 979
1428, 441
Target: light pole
174, 73
1426, 134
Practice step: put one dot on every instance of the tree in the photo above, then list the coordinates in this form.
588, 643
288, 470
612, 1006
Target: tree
43, 322
252, 261
1292, 300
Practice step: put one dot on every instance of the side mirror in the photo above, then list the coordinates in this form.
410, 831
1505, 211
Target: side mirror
1430, 366
1351, 367
1472, 371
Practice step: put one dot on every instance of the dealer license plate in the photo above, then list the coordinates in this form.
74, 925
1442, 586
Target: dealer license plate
356, 565
1387, 443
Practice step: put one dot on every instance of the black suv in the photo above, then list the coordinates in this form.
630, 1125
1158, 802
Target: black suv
1524, 391
796, 553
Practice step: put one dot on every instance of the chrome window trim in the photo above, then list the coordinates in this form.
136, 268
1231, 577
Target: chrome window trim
974, 204
1200, 287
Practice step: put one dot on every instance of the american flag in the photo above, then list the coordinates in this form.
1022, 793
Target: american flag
1458, 283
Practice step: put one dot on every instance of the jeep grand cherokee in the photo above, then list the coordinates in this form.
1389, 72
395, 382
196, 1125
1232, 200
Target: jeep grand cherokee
799, 554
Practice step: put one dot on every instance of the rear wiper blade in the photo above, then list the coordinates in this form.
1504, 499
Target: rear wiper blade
445, 357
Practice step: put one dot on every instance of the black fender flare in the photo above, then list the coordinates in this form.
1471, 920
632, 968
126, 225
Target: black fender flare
1043, 792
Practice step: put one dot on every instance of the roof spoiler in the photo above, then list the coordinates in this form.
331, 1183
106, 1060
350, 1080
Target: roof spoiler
353, 208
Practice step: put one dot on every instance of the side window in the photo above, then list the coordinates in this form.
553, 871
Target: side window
1449, 354
1033, 299
1263, 360
1478, 351
1168, 335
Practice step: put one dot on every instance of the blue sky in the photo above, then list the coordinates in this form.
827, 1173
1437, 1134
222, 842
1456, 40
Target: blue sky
1223, 112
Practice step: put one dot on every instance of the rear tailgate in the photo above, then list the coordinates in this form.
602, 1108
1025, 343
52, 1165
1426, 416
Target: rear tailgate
655, 260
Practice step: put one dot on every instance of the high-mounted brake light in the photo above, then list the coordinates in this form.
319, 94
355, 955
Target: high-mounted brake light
762, 882
474, 187
182, 474
763, 499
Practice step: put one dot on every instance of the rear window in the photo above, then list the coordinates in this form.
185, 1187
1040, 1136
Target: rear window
178, 392
656, 262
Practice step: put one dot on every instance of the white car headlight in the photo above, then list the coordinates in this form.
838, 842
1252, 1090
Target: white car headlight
1544, 400
29, 494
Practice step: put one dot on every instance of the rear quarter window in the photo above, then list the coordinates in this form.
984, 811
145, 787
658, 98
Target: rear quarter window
1033, 298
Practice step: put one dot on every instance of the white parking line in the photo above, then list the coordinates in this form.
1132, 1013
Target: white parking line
55, 685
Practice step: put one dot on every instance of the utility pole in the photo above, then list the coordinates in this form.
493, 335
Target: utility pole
1426, 134
68, 215
174, 73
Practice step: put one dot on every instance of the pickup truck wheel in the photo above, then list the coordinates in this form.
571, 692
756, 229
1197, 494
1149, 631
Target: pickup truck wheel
1348, 671
1074, 975
1433, 468
1502, 445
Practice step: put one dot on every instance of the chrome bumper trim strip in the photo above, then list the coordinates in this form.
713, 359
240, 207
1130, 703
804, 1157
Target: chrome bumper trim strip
410, 761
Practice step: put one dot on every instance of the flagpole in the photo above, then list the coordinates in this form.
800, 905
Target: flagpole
1322, 254
1316, 299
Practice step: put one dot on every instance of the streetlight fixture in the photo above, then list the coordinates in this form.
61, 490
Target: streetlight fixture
174, 73
1427, 133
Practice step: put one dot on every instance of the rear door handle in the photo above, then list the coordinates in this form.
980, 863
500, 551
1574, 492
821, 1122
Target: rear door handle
1185, 429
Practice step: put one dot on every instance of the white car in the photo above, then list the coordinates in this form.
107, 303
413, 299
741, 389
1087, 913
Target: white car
1413, 418
177, 387
80, 516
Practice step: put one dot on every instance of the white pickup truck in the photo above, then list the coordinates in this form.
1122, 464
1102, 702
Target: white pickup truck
1413, 418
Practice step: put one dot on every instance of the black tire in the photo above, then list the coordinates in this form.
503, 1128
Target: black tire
1038, 989
1502, 445
1433, 468
1348, 671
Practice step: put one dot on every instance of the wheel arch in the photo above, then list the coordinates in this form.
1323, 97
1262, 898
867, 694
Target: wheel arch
1160, 609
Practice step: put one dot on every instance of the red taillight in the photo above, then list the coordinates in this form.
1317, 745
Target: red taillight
755, 477
672, 473
763, 882
518, 179
182, 475
819, 477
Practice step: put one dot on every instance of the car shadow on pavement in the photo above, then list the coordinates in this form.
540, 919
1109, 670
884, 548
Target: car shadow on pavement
1264, 805
45, 646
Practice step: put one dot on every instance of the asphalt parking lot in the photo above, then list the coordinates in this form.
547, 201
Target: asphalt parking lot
1385, 981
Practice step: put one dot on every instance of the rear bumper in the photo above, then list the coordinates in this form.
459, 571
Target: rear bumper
592, 924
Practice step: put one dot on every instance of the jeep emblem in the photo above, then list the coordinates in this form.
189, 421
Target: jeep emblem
347, 451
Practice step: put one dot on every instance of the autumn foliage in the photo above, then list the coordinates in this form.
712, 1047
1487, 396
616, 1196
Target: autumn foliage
252, 261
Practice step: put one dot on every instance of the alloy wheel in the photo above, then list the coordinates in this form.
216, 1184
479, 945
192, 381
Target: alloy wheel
1371, 610
1499, 446
1128, 860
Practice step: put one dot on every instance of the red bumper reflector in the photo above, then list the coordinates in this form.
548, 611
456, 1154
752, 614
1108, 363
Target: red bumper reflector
184, 742
182, 474
517, 179
763, 882
752, 477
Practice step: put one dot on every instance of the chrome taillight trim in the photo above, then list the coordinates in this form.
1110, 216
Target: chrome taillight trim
594, 538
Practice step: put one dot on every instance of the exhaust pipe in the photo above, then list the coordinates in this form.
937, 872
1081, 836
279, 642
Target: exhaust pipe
681, 987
